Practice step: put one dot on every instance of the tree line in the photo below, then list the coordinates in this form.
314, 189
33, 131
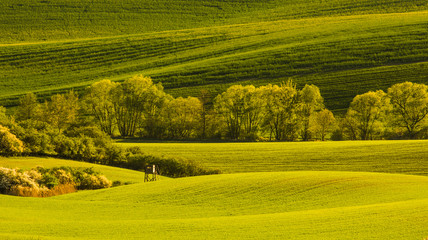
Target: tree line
63, 127
138, 107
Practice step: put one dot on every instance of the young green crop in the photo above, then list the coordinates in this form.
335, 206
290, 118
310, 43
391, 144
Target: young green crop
408, 157
343, 56
289, 205
270, 205
35, 20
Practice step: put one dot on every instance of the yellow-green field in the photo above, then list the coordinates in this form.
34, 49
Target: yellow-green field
270, 201
287, 205
343, 47
407, 157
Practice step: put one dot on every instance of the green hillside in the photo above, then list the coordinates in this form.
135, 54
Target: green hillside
41, 20
292, 205
406, 157
345, 48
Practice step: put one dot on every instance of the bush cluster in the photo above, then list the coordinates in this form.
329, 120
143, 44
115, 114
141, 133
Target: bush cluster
166, 166
9, 144
45, 182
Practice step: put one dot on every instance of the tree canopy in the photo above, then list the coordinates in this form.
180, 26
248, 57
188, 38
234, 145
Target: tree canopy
138, 107
410, 106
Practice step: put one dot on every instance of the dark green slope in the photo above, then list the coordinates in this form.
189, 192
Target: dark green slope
345, 48
40, 20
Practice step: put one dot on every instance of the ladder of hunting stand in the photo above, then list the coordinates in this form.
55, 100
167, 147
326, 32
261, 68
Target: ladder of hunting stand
150, 173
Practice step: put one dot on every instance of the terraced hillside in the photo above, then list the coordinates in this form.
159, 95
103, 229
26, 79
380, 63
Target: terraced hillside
291, 205
345, 48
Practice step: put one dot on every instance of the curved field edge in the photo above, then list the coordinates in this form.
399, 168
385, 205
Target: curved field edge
406, 156
344, 55
288, 205
112, 173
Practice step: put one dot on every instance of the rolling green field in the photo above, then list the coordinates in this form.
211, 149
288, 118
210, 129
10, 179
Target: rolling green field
407, 157
264, 197
272, 190
42, 20
343, 47
287, 205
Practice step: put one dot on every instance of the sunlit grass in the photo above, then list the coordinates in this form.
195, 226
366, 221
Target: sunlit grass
289, 205
344, 56
409, 157
36, 20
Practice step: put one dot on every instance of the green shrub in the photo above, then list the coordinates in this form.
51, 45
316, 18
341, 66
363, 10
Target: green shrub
94, 182
36, 136
64, 177
9, 144
117, 183
49, 180
170, 167
10, 178
44, 182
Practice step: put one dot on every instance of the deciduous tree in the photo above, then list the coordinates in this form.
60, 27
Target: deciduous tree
29, 108
280, 111
206, 101
240, 108
137, 103
183, 117
310, 100
409, 106
322, 123
364, 116
99, 102
61, 110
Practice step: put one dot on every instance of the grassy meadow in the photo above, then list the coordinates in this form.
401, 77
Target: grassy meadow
324, 190
406, 157
279, 205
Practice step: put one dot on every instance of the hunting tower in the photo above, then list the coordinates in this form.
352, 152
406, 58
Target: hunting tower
150, 173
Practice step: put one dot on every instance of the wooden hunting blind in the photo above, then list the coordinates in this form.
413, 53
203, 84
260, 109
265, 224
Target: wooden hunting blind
150, 173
